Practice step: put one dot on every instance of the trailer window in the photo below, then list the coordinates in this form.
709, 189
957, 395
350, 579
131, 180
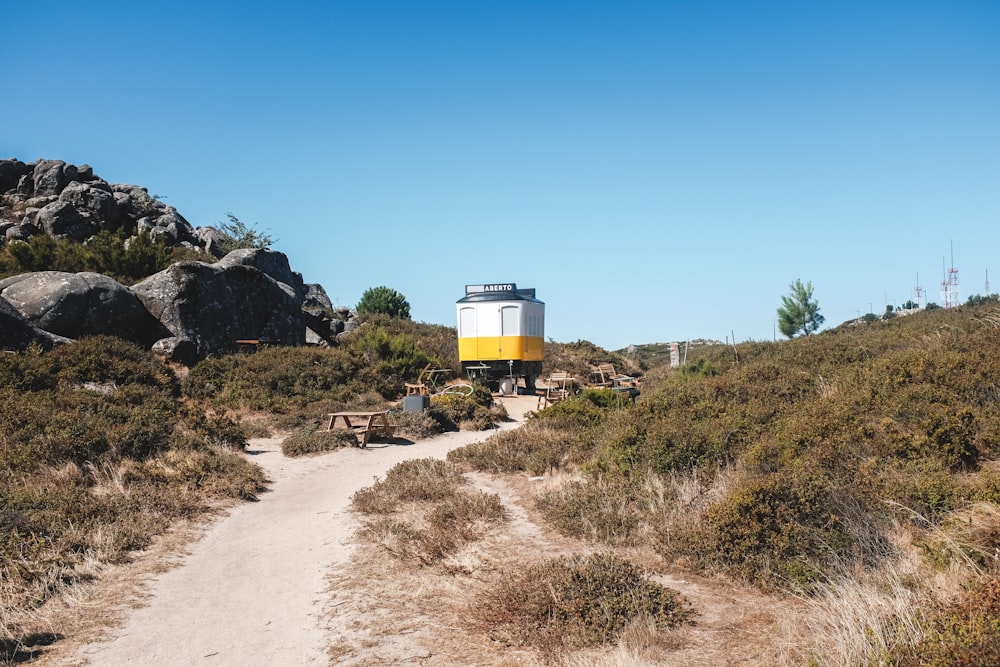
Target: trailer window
467, 323
510, 321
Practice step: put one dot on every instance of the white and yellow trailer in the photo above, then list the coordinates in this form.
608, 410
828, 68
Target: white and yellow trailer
501, 333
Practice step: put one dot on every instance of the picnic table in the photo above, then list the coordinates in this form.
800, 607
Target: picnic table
365, 423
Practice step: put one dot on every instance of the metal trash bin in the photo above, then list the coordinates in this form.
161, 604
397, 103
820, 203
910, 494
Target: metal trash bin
416, 403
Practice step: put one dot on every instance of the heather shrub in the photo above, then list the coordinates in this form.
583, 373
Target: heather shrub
316, 439
413, 425
535, 448
414, 480
447, 516
779, 530
455, 412
299, 384
964, 632
575, 601
98, 455
608, 512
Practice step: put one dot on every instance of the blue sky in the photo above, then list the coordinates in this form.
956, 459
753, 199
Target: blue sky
658, 171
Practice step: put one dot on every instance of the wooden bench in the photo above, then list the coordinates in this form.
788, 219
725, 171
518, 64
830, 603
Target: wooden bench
252, 344
365, 424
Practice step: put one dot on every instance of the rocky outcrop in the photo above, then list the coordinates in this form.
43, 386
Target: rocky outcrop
188, 311
273, 264
66, 201
214, 305
73, 305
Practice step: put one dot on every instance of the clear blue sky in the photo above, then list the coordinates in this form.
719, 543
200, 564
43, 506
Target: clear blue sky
658, 171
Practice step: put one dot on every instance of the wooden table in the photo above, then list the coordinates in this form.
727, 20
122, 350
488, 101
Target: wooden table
365, 423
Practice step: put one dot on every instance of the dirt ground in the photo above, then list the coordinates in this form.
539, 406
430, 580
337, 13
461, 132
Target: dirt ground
283, 582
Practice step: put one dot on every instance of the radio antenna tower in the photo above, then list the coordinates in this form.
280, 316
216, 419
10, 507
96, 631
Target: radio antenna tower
986, 289
918, 291
949, 286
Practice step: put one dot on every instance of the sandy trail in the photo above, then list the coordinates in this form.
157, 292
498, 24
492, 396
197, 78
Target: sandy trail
253, 590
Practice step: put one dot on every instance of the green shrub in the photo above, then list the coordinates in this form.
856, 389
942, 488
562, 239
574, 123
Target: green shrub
414, 480
612, 513
314, 440
534, 448
780, 530
576, 601
300, 384
97, 456
114, 254
413, 425
455, 411
384, 301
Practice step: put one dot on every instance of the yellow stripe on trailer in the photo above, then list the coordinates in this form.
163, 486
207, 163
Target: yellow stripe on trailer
493, 348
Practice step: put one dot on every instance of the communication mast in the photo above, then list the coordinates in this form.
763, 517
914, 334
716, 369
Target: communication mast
949, 285
918, 291
986, 290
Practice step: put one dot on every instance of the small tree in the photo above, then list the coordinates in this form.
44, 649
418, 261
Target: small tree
384, 301
799, 312
240, 235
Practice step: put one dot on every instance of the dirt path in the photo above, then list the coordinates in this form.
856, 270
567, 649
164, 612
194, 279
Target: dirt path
252, 591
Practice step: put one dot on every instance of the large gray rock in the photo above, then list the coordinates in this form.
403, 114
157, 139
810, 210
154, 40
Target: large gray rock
315, 296
79, 304
211, 239
96, 200
216, 305
178, 350
51, 176
270, 262
61, 220
16, 333
11, 172
176, 227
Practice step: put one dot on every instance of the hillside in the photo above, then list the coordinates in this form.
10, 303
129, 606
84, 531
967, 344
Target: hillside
854, 470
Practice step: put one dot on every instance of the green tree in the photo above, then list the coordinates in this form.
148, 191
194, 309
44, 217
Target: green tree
799, 312
384, 301
241, 235
980, 299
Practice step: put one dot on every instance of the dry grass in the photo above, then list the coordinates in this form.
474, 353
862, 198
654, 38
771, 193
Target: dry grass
427, 609
424, 513
876, 615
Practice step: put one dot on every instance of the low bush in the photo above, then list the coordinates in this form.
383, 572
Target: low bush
316, 439
779, 530
965, 632
609, 512
448, 516
457, 412
535, 448
576, 601
415, 480
299, 384
413, 425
